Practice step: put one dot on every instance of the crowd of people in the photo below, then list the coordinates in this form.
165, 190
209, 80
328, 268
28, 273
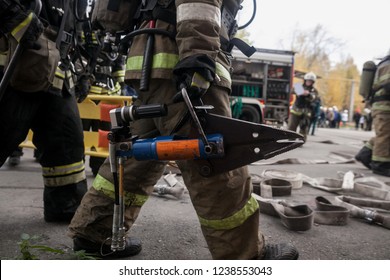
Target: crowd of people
331, 117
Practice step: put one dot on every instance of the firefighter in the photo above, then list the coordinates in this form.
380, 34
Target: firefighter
109, 74
375, 155
228, 214
41, 96
301, 110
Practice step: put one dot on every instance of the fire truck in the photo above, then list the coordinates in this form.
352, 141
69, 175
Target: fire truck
261, 85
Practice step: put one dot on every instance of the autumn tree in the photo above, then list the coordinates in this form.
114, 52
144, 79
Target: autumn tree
343, 82
314, 48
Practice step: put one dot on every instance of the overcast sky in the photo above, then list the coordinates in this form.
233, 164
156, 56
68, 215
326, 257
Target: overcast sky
364, 26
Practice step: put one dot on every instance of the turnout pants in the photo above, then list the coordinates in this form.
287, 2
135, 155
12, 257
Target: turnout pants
380, 144
299, 120
58, 136
228, 215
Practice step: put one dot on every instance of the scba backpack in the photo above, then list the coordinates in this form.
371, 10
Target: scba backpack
115, 15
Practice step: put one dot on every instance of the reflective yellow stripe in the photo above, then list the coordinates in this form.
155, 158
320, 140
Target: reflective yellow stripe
160, 60
119, 73
19, 30
292, 111
169, 61
222, 72
63, 181
96, 90
235, 220
107, 188
63, 175
60, 73
63, 170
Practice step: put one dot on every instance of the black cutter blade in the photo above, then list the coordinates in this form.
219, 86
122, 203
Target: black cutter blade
244, 142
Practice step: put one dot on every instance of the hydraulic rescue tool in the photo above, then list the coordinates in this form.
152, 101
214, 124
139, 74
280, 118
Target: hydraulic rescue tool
217, 144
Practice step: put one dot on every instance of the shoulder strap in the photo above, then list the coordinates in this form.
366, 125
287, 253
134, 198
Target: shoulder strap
61, 34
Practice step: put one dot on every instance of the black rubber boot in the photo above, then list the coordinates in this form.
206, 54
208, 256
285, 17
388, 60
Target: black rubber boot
381, 168
282, 251
364, 156
60, 203
133, 247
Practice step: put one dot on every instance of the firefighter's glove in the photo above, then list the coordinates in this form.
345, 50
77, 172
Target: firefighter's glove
195, 73
25, 27
83, 87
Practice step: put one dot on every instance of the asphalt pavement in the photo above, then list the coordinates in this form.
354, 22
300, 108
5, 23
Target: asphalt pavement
169, 228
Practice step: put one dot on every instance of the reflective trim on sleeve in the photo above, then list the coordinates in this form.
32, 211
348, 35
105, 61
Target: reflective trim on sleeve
235, 220
19, 30
199, 11
101, 184
63, 175
160, 60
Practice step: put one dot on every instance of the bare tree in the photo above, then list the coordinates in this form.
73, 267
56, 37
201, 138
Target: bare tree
314, 46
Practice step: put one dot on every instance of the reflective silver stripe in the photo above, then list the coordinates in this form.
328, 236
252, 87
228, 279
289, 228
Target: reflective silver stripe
63, 181
59, 77
199, 11
69, 77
